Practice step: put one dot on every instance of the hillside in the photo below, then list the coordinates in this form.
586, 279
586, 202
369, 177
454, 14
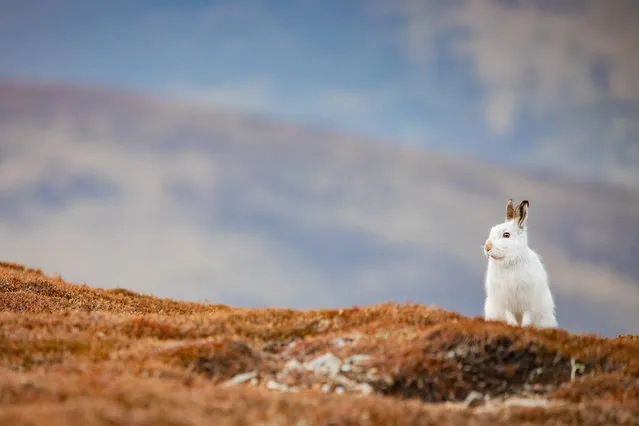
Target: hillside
145, 193
73, 354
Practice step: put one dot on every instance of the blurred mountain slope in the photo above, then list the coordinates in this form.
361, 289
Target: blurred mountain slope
190, 202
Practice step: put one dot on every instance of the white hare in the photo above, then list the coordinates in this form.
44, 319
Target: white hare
517, 290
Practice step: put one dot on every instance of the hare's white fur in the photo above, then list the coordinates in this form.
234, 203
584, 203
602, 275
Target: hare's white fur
517, 290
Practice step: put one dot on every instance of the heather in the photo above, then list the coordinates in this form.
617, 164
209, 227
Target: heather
73, 354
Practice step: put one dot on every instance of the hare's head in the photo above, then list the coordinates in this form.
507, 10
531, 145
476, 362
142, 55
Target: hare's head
508, 240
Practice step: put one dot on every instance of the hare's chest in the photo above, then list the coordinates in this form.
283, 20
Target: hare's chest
512, 289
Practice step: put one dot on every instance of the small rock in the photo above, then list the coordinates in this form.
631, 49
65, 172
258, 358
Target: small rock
364, 388
473, 399
273, 385
293, 365
326, 388
354, 360
323, 324
461, 351
388, 380
345, 382
325, 365
339, 390
370, 375
241, 378
339, 342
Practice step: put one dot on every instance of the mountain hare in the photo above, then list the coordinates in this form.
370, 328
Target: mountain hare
517, 290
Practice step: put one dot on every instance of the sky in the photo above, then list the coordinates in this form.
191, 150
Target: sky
538, 83
390, 136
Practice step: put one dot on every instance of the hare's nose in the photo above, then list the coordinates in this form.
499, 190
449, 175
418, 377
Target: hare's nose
488, 246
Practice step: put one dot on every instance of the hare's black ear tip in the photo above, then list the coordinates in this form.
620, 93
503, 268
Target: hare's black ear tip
525, 203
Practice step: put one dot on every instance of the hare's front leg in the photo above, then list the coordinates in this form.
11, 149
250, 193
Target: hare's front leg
526, 319
491, 311
510, 318
494, 312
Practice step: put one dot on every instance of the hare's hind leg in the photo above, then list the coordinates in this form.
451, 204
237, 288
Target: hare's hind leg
546, 321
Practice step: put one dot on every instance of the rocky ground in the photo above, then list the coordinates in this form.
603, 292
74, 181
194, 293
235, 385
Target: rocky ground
73, 354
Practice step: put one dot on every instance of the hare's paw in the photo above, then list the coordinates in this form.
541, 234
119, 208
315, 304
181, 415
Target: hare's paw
510, 319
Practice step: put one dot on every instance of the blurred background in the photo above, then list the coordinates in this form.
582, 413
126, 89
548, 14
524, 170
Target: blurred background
319, 154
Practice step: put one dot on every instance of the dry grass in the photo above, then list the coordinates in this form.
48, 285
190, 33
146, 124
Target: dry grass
73, 354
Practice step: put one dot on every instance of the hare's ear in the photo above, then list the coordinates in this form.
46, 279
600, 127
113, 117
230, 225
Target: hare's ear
510, 210
521, 213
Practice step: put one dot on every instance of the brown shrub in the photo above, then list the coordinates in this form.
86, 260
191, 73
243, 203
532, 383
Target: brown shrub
220, 360
607, 387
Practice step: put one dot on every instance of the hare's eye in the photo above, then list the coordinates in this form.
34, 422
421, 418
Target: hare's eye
506, 235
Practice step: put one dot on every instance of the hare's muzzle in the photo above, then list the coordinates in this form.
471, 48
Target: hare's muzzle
488, 246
